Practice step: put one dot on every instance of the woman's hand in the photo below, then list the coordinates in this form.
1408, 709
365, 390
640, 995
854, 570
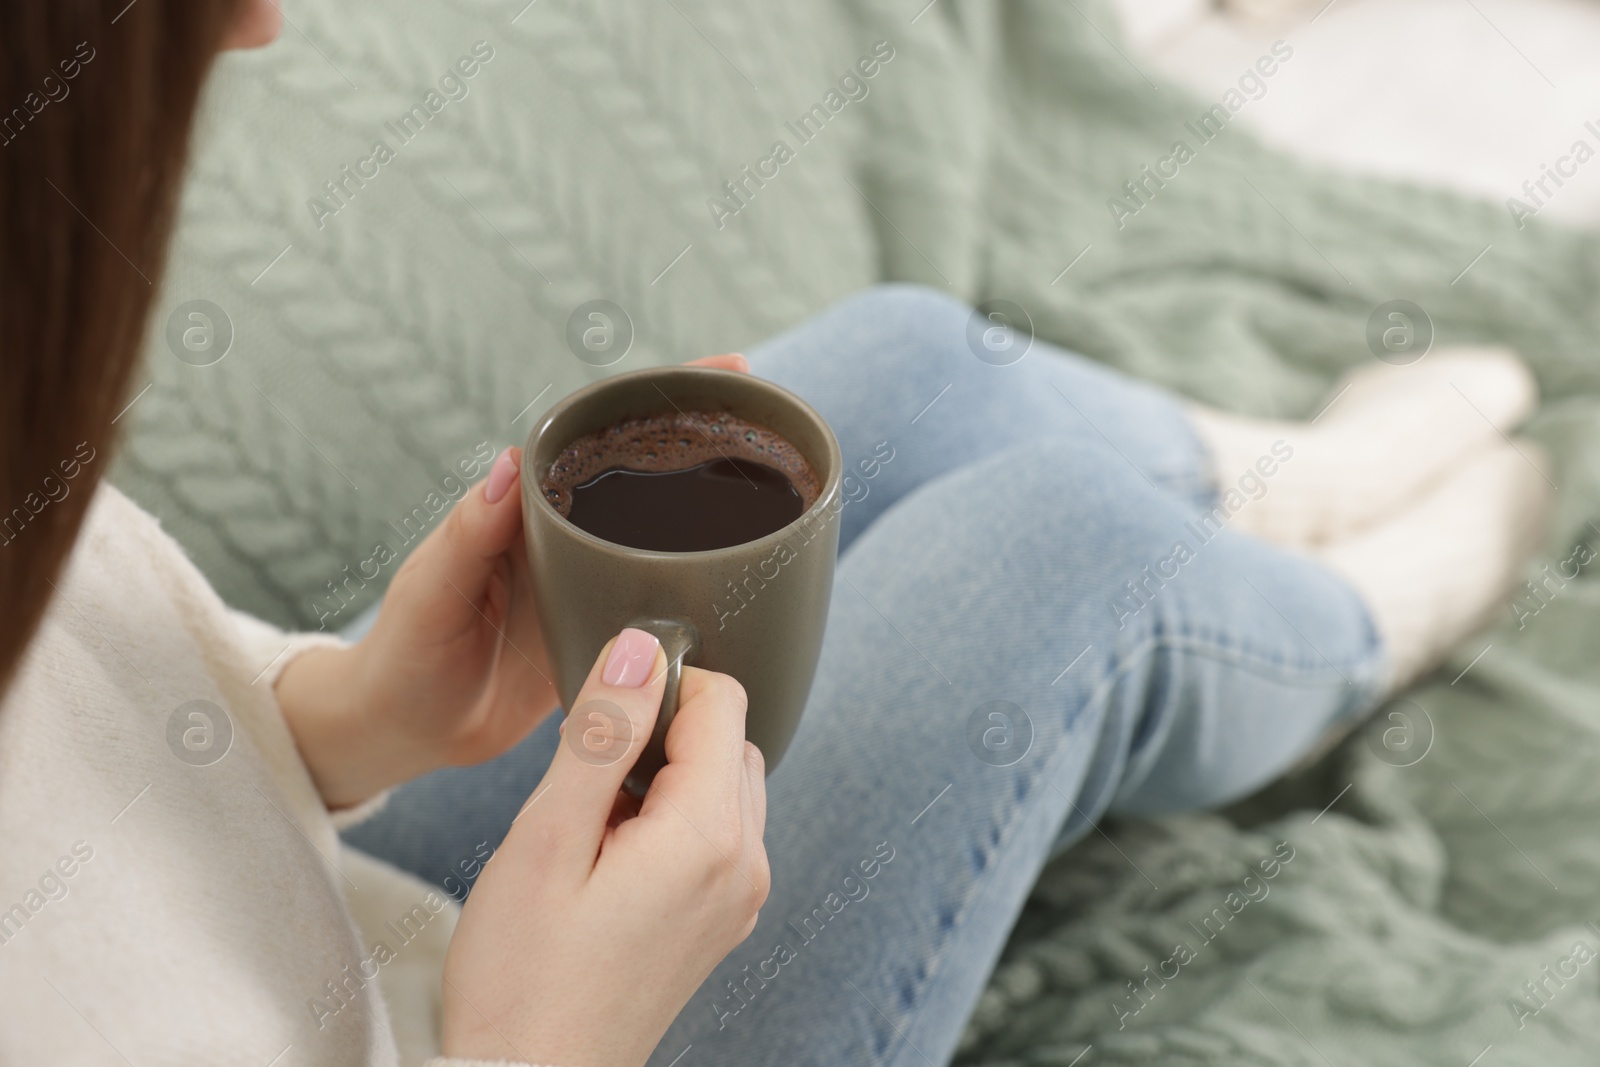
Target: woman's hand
454, 671
591, 927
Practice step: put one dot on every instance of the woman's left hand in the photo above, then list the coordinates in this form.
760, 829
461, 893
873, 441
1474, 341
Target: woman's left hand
454, 671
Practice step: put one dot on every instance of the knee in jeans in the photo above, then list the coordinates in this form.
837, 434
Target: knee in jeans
896, 306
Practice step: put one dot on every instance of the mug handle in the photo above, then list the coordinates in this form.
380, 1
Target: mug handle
679, 641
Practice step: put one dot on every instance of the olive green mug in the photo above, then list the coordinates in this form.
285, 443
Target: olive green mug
754, 610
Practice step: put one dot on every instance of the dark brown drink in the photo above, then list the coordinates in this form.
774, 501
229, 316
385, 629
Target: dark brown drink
681, 482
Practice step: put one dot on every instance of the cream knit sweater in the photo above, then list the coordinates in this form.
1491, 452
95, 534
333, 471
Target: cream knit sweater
172, 889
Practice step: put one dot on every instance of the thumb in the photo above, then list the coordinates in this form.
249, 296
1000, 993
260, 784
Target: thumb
606, 730
726, 361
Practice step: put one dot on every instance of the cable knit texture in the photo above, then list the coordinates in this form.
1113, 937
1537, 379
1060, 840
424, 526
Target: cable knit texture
376, 346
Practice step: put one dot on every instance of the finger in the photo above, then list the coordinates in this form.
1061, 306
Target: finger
705, 752
449, 573
756, 774
606, 730
753, 863
521, 625
625, 808
729, 361
752, 805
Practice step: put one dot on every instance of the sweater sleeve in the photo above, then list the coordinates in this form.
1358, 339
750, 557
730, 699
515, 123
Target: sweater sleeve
268, 650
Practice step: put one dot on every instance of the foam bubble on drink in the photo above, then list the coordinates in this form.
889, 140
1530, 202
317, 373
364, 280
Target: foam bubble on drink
673, 442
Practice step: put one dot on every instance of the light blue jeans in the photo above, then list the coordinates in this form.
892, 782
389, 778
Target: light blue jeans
1017, 645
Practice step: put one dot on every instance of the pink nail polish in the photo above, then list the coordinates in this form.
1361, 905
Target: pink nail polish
501, 475
632, 656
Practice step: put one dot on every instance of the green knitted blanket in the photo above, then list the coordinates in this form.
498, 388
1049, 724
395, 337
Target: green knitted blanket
396, 213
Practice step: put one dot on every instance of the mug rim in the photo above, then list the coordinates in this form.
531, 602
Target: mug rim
830, 482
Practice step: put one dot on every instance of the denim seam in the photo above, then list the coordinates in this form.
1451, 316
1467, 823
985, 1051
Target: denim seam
1260, 663
1098, 696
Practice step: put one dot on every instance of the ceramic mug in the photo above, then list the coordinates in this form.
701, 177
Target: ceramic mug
754, 610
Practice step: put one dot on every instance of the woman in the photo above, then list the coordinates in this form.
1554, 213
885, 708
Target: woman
1017, 645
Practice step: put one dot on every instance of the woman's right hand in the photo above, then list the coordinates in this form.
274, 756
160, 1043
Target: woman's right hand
595, 923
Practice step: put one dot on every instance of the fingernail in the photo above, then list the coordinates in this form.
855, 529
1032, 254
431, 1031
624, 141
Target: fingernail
501, 475
632, 656
740, 356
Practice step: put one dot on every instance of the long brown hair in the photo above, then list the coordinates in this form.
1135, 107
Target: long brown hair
97, 100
